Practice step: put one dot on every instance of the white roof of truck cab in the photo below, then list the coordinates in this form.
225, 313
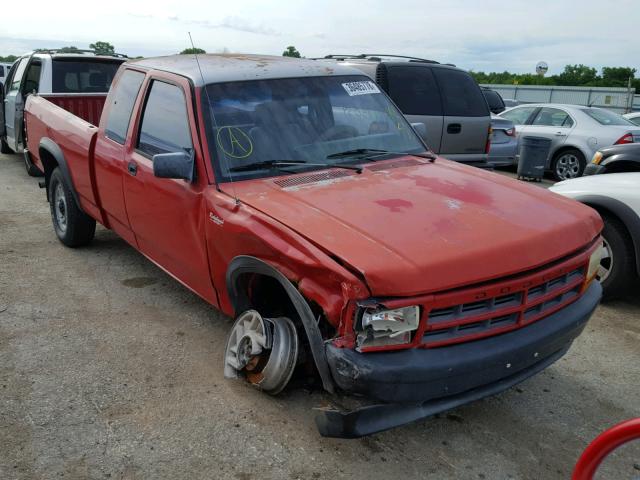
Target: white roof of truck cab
241, 67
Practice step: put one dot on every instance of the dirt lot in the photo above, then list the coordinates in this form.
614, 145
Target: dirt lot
111, 369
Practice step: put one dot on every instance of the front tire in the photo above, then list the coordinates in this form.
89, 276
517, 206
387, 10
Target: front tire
568, 164
617, 267
73, 227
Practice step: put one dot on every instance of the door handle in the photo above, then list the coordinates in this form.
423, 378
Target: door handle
561, 134
454, 128
132, 167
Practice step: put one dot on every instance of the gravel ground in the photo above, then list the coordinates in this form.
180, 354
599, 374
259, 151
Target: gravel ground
111, 369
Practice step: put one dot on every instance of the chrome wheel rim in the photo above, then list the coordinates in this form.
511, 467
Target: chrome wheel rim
60, 207
249, 338
606, 262
568, 166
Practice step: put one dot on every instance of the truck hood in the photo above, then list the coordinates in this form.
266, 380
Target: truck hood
411, 227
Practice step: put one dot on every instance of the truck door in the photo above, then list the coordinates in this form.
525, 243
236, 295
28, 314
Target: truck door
466, 114
111, 146
167, 216
14, 103
2, 130
415, 92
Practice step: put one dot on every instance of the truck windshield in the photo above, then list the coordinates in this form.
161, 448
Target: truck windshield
83, 75
311, 120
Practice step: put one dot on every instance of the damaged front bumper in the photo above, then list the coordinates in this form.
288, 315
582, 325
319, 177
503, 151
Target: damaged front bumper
412, 384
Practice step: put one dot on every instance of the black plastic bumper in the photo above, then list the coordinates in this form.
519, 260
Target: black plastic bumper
429, 381
593, 169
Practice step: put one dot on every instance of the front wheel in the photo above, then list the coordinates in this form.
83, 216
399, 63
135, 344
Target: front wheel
568, 164
73, 227
617, 267
263, 351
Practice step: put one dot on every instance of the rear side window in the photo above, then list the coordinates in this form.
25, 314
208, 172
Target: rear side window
493, 99
461, 95
414, 90
75, 76
1, 71
552, 117
165, 123
518, 115
123, 99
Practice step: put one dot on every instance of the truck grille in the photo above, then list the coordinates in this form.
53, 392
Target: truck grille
528, 299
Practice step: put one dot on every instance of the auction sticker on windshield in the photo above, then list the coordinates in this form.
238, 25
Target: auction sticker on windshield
360, 88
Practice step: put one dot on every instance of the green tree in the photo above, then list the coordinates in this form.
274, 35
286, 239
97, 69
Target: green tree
8, 59
68, 49
576, 75
291, 51
102, 48
192, 51
618, 76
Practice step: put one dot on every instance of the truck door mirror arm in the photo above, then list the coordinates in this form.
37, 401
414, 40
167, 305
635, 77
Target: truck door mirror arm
179, 165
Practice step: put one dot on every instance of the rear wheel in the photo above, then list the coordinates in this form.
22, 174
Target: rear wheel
617, 267
263, 351
568, 164
73, 227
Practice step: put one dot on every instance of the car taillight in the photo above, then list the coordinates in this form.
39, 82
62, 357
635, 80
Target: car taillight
626, 138
487, 146
511, 132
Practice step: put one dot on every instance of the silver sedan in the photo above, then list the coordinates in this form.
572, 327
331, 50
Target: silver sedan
576, 133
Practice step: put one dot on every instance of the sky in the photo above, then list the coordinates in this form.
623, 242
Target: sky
480, 35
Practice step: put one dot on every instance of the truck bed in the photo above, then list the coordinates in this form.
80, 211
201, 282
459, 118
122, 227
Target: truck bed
47, 122
86, 106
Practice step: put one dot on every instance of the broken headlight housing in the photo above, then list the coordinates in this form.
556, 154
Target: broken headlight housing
382, 328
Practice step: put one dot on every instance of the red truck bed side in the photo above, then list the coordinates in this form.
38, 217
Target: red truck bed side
75, 137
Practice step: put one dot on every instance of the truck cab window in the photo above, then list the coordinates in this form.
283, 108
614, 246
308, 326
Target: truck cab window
126, 92
165, 124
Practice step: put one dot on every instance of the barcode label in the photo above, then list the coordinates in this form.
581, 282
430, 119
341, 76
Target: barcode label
360, 88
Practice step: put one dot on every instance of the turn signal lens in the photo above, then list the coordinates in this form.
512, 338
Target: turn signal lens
597, 158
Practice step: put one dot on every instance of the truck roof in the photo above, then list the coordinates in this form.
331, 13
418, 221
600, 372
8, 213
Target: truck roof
237, 67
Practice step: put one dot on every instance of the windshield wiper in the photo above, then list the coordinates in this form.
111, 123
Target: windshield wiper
370, 153
289, 163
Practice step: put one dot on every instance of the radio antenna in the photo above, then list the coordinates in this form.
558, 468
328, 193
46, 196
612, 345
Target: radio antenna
215, 124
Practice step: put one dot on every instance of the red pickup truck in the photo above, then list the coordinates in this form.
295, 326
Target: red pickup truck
296, 198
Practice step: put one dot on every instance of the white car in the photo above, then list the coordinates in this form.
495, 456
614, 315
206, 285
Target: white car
617, 198
576, 133
633, 117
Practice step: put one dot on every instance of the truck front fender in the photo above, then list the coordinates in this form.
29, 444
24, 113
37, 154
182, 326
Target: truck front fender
247, 264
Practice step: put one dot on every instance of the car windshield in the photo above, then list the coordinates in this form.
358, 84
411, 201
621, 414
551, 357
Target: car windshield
310, 122
605, 117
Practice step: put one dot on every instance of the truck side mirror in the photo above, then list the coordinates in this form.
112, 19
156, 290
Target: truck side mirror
175, 165
421, 129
